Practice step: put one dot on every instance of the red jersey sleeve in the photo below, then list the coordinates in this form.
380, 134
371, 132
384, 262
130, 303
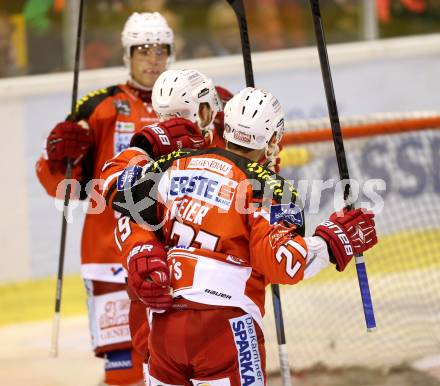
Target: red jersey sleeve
85, 110
133, 158
51, 180
276, 251
128, 234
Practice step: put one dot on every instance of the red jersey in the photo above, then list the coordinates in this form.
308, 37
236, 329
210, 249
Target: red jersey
232, 225
113, 115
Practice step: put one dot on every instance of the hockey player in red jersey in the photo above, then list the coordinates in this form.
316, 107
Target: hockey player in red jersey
101, 126
195, 104
217, 227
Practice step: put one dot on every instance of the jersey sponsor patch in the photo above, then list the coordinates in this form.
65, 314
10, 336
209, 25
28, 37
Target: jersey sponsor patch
122, 107
108, 316
246, 343
210, 164
117, 271
149, 120
118, 360
290, 213
121, 141
123, 133
129, 177
124, 127
204, 186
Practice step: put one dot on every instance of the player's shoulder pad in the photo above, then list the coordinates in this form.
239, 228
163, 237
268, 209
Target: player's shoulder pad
137, 175
137, 185
164, 162
282, 190
87, 104
141, 179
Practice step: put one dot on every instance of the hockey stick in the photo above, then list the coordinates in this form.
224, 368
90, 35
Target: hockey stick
340, 154
59, 287
238, 7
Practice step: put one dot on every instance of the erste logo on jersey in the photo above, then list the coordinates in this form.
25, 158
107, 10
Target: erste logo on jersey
246, 342
203, 185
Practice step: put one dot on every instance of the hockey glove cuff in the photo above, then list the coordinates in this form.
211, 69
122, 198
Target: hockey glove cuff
347, 235
165, 137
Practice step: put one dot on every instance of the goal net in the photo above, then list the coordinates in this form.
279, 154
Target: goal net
394, 160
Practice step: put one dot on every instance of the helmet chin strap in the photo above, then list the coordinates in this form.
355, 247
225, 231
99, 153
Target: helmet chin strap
134, 83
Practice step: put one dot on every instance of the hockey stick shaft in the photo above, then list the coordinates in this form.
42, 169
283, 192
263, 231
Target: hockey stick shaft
238, 7
340, 154
281, 336
68, 176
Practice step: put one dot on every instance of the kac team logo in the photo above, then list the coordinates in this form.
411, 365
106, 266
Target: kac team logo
290, 213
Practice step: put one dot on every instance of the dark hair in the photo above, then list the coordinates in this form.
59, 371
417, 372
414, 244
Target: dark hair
236, 147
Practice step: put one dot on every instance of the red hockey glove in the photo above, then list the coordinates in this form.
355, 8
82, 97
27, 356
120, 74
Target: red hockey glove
149, 276
348, 235
67, 140
165, 137
224, 94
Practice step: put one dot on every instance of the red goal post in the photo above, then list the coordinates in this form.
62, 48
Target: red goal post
318, 130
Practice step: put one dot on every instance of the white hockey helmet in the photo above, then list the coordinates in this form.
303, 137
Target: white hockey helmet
180, 93
252, 117
146, 28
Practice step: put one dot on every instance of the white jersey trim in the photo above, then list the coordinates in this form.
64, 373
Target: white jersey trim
218, 283
112, 273
317, 256
110, 179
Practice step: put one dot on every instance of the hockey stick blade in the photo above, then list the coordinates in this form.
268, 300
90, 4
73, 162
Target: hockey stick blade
340, 154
